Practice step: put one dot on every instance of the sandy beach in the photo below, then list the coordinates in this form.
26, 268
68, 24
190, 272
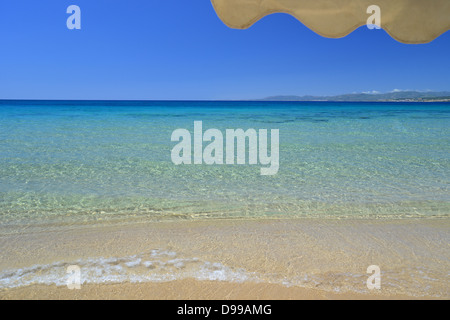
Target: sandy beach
232, 259
188, 290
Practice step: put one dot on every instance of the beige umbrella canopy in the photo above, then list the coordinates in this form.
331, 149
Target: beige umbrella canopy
408, 21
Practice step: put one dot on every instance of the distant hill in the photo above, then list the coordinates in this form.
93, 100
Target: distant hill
356, 97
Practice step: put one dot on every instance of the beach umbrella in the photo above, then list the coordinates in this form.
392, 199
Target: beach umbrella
408, 21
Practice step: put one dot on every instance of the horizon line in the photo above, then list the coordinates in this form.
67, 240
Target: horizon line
401, 100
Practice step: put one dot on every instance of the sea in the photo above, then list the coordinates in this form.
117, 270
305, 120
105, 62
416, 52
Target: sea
78, 163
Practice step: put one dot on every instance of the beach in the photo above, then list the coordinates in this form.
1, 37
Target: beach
89, 195
191, 290
232, 259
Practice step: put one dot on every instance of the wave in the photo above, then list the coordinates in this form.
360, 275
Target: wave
160, 265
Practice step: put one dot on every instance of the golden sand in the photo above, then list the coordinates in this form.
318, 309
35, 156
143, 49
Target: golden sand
284, 255
188, 289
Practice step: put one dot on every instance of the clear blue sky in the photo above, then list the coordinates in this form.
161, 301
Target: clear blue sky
179, 49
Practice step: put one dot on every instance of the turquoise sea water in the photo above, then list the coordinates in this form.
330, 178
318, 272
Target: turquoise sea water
86, 161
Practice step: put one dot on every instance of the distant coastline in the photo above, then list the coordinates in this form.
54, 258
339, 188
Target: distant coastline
395, 96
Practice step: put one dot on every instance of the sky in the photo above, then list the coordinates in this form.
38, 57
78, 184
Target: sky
181, 50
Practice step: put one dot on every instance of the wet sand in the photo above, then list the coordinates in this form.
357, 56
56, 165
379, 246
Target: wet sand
189, 289
284, 258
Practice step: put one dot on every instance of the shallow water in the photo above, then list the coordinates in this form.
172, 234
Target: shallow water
83, 161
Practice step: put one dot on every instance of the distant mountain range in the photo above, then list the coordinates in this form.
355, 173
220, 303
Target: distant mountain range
398, 96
